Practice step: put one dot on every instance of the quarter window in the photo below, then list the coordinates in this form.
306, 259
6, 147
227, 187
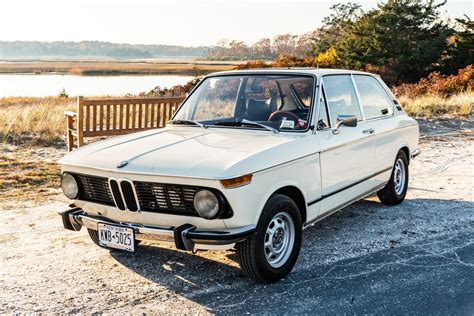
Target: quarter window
341, 97
373, 97
323, 118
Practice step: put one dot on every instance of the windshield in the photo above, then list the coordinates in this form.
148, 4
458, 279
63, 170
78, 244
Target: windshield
282, 102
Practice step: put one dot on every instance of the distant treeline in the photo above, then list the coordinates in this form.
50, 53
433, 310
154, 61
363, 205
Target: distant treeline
31, 49
402, 40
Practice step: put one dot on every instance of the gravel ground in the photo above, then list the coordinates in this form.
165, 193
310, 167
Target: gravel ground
415, 258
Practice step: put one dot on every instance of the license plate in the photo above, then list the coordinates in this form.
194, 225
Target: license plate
117, 237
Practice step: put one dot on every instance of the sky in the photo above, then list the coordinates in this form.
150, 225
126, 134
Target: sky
179, 22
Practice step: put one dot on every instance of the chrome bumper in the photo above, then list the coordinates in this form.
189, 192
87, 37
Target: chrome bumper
415, 152
184, 237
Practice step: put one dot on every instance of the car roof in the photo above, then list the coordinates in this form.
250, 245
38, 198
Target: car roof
310, 71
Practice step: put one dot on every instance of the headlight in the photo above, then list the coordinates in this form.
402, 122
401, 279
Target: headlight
69, 186
206, 204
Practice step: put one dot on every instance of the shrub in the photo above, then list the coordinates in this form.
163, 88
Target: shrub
437, 84
253, 64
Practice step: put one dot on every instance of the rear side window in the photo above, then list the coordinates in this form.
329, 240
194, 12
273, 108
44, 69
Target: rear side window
373, 97
341, 97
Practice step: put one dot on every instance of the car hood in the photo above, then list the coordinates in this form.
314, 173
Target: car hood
195, 152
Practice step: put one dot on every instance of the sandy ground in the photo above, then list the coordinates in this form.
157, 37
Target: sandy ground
415, 258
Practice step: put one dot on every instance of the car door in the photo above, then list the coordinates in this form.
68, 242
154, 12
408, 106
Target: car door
378, 110
347, 157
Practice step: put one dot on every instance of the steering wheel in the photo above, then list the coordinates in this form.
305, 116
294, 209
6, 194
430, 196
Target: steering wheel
278, 115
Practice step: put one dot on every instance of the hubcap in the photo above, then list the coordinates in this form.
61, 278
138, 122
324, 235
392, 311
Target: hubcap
399, 176
279, 239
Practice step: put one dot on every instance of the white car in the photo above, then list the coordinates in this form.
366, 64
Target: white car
249, 160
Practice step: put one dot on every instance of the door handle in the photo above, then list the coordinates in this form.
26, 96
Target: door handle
368, 131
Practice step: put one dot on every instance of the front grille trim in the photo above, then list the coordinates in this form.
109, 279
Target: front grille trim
165, 198
129, 195
117, 194
94, 189
152, 197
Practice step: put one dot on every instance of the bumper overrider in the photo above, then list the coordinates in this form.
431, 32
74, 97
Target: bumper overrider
184, 237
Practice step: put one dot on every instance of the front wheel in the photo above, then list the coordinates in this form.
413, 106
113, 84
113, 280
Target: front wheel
271, 253
396, 189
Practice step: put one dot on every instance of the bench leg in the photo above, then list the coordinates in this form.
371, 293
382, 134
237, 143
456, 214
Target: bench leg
80, 138
70, 136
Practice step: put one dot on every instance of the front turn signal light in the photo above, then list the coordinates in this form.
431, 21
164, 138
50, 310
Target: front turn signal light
236, 182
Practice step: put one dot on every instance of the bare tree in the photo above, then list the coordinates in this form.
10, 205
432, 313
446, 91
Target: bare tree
284, 44
262, 49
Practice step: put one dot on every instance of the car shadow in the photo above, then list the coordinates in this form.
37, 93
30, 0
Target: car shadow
357, 238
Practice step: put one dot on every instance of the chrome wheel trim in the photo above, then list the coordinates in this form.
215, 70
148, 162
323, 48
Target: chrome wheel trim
399, 176
279, 239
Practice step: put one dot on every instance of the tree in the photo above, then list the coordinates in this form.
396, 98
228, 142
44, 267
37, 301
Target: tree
262, 49
304, 44
335, 26
238, 49
460, 51
284, 44
402, 39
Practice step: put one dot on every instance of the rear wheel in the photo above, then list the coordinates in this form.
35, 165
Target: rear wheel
271, 253
396, 189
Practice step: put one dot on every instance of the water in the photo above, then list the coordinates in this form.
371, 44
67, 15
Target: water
30, 85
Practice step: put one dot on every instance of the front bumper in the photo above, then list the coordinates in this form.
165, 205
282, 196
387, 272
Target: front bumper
184, 237
415, 152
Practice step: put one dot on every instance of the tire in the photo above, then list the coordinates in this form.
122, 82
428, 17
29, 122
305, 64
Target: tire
282, 220
396, 189
95, 238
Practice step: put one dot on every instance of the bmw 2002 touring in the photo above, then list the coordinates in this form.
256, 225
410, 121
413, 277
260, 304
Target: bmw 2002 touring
249, 160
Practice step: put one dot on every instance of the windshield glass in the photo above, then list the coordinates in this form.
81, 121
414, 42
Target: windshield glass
282, 102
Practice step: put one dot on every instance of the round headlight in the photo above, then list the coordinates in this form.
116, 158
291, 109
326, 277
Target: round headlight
69, 186
206, 204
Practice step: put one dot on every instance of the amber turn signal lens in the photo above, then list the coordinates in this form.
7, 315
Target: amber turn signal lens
236, 182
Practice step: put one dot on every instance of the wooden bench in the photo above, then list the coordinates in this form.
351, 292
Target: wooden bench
108, 117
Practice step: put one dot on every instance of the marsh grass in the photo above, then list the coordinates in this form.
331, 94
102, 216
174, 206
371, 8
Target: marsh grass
435, 106
113, 68
34, 120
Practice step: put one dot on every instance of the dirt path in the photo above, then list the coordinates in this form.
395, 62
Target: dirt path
417, 257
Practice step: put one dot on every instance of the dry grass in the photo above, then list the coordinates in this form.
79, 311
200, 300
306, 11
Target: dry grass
34, 120
23, 176
433, 106
92, 68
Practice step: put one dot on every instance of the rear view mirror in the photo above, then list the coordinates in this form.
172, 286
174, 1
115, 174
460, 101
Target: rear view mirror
346, 120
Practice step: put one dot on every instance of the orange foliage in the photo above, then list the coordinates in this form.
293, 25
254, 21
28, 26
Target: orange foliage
437, 84
253, 64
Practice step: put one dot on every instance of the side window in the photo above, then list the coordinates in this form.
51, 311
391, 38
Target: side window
341, 97
373, 97
323, 117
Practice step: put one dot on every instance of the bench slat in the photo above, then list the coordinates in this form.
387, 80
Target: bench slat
140, 115
127, 116
121, 116
145, 124
131, 100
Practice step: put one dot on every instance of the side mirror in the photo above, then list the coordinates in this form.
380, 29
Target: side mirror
347, 120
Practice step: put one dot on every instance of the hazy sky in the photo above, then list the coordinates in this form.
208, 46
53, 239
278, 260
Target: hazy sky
168, 22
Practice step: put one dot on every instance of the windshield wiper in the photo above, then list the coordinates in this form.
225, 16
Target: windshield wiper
187, 122
247, 122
